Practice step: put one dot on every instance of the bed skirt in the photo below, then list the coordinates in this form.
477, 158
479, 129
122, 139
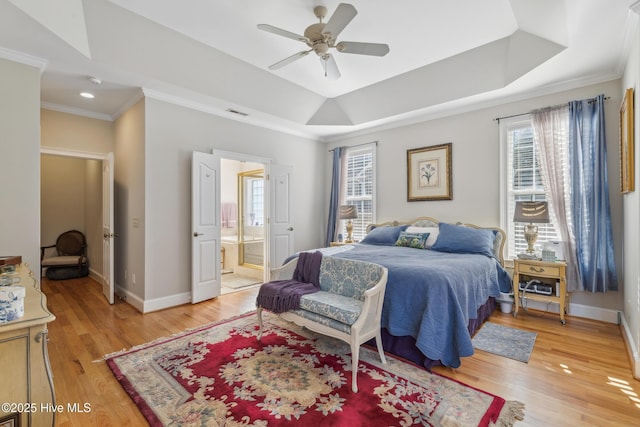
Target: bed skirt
405, 346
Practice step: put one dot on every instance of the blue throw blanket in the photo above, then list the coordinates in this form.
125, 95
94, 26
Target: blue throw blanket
279, 296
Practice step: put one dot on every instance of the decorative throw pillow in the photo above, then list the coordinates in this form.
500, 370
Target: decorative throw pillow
385, 235
464, 240
412, 240
432, 231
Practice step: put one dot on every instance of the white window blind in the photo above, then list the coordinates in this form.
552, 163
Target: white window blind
521, 181
360, 186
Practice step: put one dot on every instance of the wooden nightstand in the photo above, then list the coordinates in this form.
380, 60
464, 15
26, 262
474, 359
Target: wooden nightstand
542, 270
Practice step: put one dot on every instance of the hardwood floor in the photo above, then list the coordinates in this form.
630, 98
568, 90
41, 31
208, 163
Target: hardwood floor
578, 374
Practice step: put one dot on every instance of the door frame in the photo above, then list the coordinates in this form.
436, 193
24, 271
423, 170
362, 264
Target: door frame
63, 152
259, 174
241, 157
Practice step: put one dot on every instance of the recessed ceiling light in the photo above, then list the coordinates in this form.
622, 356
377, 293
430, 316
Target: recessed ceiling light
87, 95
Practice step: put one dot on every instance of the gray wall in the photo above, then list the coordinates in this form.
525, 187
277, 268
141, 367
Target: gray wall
476, 169
171, 134
20, 162
631, 204
129, 203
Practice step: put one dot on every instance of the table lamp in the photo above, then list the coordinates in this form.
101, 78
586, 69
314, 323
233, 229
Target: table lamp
349, 212
531, 212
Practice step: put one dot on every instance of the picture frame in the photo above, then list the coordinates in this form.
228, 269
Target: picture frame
429, 173
627, 160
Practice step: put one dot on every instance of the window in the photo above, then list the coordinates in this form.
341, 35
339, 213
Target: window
360, 186
257, 200
520, 181
251, 192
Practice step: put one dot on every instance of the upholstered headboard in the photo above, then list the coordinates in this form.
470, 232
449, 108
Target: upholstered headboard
498, 243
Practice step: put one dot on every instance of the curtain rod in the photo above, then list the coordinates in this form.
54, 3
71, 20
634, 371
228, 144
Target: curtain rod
357, 145
497, 119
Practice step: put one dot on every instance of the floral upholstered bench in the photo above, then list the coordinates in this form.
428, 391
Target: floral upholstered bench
347, 306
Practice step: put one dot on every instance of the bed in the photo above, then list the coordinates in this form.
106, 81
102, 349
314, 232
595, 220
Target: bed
442, 284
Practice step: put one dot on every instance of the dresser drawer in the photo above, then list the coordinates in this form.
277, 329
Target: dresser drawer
540, 270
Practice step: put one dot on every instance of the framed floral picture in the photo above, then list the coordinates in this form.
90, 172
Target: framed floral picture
429, 173
627, 177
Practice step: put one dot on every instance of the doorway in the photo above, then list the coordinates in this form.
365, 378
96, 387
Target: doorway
76, 191
214, 214
242, 219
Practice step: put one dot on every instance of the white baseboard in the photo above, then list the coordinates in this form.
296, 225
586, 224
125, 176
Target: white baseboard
98, 277
166, 302
130, 298
595, 313
634, 357
604, 315
578, 310
147, 306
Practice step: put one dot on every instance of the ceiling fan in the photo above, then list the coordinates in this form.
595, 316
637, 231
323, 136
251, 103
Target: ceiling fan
321, 37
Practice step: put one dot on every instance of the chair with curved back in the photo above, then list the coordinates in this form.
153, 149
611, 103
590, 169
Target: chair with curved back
70, 251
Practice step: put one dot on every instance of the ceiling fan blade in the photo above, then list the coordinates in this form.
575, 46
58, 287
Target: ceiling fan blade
289, 60
284, 33
375, 49
341, 17
330, 67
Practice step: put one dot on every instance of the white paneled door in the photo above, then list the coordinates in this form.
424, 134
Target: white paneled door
107, 228
205, 225
280, 214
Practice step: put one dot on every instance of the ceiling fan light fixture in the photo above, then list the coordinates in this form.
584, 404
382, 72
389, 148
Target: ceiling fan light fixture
321, 49
321, 37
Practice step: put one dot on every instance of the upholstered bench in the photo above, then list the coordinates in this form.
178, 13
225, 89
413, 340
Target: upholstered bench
347, 306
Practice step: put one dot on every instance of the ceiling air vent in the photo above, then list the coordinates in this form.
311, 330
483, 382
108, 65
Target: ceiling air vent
231, 110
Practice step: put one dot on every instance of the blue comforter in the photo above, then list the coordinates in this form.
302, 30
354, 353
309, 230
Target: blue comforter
432, 295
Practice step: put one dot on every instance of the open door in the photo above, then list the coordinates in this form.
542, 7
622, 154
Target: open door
107, 228
280, 214
205, 224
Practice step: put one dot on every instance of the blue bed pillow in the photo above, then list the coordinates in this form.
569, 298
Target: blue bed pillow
412, 240
464, 240
384, 236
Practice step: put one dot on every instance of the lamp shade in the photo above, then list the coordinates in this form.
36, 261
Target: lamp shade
348, 212
531, 212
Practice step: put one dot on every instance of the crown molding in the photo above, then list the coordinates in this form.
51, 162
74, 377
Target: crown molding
408, 119
76, 111
254, 118
464, 106
23, 58
631, 29
127, 105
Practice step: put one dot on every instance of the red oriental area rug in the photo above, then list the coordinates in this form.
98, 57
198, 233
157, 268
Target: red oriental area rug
221, 375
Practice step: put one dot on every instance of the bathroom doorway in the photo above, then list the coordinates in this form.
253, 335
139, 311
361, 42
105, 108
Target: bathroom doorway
242, 220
